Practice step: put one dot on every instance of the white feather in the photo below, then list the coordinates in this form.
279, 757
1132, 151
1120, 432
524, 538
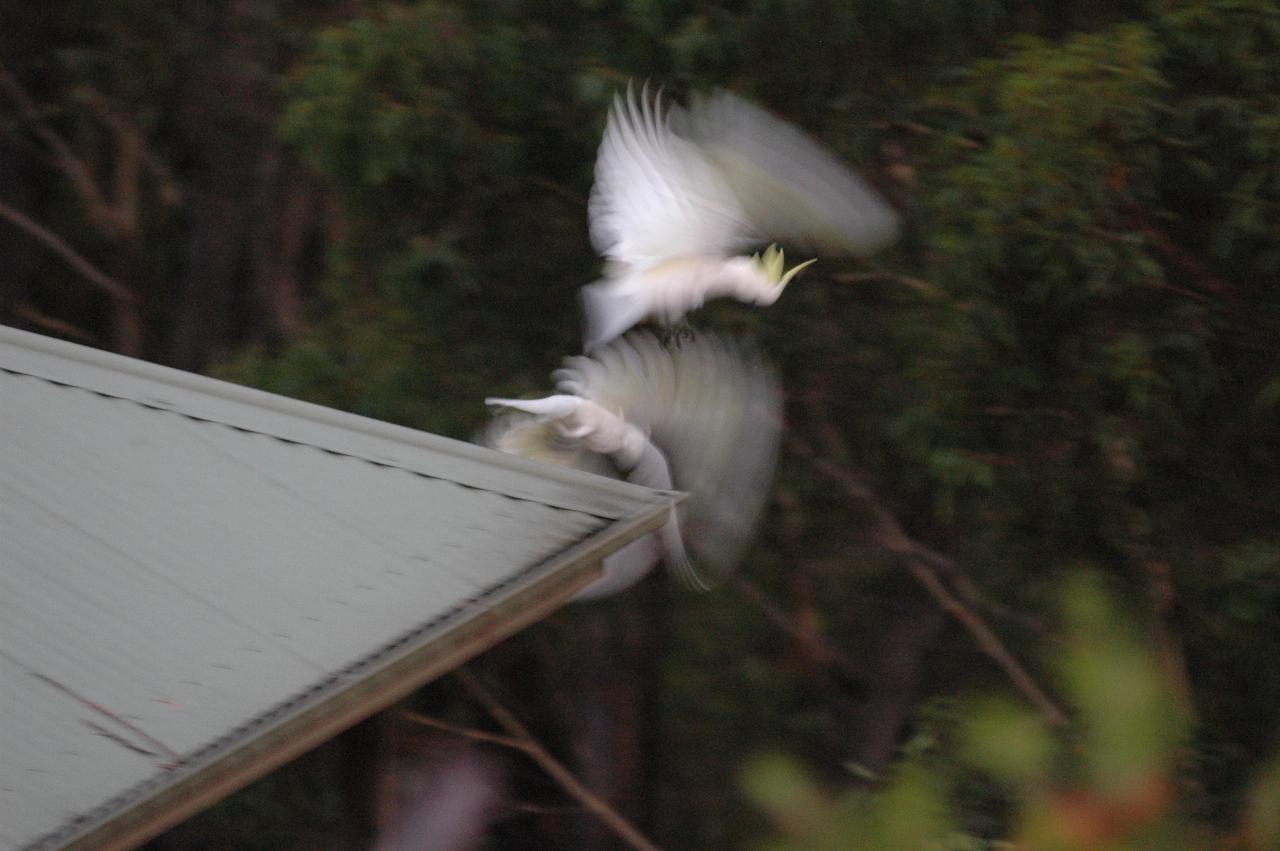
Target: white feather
656, 195
714, 409
624, 568
703, 418
610, 308
790, 188
677, 194
551, 407
603, 433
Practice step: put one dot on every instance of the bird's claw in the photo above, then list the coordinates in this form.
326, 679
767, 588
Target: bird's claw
676, 334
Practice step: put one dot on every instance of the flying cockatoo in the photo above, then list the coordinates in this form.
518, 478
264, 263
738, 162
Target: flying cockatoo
679, 194
703, 418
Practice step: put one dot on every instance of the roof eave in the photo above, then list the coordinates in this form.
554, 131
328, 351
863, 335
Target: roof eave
458, 638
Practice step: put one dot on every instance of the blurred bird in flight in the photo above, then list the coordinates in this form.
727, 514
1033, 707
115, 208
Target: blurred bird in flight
678, 195
703, 418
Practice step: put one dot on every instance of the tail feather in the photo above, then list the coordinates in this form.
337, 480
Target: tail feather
674, 555
623, 569
610, 310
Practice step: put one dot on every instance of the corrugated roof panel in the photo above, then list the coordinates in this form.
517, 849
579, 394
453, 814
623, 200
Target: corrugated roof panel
181, 570
202, 398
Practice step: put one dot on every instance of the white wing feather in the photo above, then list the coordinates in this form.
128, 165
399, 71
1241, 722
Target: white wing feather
656, 195
788, 186
714, 410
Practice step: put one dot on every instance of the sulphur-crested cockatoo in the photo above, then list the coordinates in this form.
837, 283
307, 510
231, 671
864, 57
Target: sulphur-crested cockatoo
703, 418
679, 194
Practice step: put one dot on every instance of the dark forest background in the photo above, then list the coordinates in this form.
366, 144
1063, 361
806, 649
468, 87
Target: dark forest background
1019, 578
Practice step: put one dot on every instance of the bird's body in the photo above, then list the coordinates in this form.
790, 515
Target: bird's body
677, 196
582, 420
668, 290
603, 432
535, 436
704, 418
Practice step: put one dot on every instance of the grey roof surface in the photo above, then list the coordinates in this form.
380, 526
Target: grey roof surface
187, 565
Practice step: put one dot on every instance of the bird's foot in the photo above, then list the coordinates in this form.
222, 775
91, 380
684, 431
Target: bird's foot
676, 334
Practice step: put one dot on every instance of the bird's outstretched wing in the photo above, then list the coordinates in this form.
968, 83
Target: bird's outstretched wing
789, 188
656, 196
712, 412
714, 409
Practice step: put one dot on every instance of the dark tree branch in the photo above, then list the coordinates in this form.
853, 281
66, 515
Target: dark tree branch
917, 284
923, 563
75, 170
813, 641
559, 189
1162, 595
29, 314
520, 739
59, 246
170, 191
466, 732
1180, 259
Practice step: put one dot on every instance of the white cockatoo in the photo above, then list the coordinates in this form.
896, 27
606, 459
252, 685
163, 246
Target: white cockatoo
703, 418
679, 194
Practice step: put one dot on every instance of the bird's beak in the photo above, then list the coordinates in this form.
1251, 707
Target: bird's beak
795, 270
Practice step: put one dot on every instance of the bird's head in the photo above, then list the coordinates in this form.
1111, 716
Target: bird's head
771, 267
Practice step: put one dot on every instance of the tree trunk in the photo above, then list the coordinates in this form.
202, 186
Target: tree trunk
894, 672
615, 740
252, 212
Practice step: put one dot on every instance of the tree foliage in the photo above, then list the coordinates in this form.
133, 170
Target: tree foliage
1112, 783
1070, 358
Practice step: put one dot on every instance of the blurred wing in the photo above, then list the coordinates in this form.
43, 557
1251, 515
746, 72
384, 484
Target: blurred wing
656, 196
791, 189
714, 410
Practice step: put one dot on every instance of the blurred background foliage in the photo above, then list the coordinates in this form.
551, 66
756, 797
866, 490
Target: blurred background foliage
1113, 781
1070, 358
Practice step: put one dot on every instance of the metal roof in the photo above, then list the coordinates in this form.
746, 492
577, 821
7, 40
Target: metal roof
199, 581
